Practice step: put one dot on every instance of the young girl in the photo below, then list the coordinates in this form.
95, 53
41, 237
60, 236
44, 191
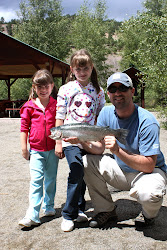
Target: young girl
37, 117
78, 101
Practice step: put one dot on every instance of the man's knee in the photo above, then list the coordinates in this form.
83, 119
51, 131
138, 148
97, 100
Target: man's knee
90, 161
85, 163
147, 196
87, 166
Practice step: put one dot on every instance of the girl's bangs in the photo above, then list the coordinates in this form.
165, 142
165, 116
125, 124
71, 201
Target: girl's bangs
42, 77
81, 61
42, 80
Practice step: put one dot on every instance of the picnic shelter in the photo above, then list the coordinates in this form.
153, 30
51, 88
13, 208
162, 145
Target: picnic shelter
20, 60
138, 82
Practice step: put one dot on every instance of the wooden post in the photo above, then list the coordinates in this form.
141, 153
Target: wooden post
8, 84
63, 76
142, 97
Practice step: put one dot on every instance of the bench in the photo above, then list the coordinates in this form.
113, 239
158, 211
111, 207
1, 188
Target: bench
12, 110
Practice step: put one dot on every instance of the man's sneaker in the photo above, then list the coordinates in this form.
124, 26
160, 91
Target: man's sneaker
67, 225
142, 221
26, 222
50, 212
102, 218
81, 217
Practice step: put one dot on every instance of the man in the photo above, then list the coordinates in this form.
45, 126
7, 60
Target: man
138, 166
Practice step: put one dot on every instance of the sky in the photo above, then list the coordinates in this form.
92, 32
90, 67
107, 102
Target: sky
119, 10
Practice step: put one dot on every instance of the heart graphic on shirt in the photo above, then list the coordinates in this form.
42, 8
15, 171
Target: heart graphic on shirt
88, 104
78, 103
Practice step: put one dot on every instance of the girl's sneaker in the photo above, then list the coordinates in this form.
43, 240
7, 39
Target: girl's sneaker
67, 225
51, 212
26, 222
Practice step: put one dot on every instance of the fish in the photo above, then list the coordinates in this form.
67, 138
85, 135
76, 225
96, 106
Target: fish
87, 132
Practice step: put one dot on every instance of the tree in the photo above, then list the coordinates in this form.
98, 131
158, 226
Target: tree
88, 31
129, 38
3, 90
153, 53
41, 25
144, 45
2, 20
156, 7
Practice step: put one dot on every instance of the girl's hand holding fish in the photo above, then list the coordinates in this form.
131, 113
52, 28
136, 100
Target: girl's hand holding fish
72, 140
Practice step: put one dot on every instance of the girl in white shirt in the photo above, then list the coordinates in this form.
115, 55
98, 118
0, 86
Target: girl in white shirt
79, 100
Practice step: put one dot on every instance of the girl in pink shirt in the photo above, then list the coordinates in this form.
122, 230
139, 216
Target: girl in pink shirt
37, 117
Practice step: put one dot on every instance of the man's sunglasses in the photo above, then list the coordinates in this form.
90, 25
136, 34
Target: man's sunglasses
121, 88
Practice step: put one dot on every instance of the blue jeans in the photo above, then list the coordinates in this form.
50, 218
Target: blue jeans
43, 170
76, 186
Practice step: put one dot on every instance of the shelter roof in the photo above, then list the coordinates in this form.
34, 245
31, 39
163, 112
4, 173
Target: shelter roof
134, 74
136, 77
19, 60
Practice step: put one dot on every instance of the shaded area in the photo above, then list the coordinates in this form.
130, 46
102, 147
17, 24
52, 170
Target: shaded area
20, 60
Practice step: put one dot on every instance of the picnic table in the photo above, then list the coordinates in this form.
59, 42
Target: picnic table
10, 108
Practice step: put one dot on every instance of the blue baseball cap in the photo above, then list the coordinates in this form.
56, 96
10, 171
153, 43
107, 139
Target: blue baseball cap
121, 78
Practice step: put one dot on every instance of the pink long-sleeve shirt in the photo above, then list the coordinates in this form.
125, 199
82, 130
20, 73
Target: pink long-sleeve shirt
38, 123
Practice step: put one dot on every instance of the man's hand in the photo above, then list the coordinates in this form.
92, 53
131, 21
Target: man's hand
111, 144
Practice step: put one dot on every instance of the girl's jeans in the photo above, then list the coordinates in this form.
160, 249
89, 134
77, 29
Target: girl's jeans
76, 186
43, 171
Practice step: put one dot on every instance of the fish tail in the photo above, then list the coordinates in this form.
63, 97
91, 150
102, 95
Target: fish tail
121, 136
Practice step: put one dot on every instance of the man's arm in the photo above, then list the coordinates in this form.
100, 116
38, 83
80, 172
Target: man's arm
91, 147
140, 163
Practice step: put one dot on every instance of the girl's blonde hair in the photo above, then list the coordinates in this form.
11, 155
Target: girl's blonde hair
42, 77
80, 59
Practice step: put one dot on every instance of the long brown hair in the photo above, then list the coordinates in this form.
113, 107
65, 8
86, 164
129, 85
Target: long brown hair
81, 58
42, 77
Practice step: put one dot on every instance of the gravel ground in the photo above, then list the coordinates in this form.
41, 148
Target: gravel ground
14, 189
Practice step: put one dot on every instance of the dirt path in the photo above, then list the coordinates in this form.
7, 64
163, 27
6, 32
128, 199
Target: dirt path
14, 189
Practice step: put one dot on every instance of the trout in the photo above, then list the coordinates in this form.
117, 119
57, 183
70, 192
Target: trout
87, 132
